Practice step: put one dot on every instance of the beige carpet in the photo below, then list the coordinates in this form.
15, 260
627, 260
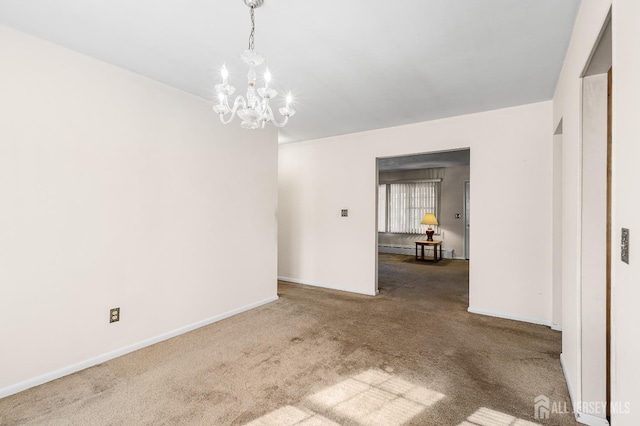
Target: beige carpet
411, 355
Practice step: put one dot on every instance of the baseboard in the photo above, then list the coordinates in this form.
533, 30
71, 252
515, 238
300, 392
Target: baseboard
509, 317
321, 285
19, 387
587, 419
566, 379
556, 327
396, 249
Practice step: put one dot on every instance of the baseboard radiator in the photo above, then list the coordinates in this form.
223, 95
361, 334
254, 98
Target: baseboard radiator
411, 250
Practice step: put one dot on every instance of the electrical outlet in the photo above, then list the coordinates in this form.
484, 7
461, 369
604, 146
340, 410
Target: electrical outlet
114, 315
344, 213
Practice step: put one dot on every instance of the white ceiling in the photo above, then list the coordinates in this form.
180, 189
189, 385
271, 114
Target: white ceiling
430, 160
352, 65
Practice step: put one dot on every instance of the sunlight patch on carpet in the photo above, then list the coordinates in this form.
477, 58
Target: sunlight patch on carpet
375, 397
290, 416
487, 417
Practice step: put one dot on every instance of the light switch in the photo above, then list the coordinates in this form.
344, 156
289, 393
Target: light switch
624, 246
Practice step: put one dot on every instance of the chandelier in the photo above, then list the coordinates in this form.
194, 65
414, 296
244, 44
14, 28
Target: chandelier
255, 110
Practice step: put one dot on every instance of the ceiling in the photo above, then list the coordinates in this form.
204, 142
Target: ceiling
351, 65
461, 157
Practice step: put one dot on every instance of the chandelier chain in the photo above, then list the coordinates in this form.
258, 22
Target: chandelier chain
253, 29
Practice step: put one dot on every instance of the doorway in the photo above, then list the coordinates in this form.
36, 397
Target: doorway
443, 177
467, 214
557, 229
595, 282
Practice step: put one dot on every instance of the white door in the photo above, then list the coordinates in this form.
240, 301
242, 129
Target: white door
466, 219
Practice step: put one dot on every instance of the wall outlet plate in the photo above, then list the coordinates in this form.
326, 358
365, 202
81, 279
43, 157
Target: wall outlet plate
114, 315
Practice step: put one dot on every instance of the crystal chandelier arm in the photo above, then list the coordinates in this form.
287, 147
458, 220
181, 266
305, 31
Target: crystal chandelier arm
268, 117
231, 117
239, 102
284, 122
286, 111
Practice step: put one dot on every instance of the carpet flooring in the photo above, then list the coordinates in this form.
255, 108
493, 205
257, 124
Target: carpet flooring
411, 355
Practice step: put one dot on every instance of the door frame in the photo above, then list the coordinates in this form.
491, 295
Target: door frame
466, 195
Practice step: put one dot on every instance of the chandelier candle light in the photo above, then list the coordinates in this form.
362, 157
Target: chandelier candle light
255, 110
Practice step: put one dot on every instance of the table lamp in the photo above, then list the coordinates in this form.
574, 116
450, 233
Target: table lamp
429, 219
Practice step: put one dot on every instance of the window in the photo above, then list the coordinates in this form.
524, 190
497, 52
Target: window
402, 205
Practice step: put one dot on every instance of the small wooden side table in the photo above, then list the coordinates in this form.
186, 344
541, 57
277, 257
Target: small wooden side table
437, 246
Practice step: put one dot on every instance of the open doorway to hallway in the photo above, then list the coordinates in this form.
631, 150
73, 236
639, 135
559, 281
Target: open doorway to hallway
596, 240
420, 192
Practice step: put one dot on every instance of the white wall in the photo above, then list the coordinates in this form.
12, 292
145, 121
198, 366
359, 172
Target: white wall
116, 192
626, 209
626, 205
511, 165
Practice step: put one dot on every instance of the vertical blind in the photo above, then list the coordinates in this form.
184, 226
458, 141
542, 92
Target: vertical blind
401, 206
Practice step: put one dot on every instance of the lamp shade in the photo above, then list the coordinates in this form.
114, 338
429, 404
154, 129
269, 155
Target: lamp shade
429, 219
